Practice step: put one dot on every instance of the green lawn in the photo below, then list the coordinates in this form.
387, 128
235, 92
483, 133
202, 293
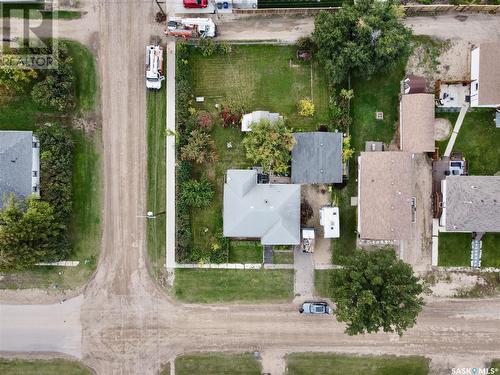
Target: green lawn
263, 77
156, 198
321, 283
84, 67
42, 367
213, 286
245, 252
380, 93
478, 140
21, 113
217, 364
283, 258
326, 364
495, 364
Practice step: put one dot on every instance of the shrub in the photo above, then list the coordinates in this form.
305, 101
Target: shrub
347, 151
223, 48
197, 193
306, 43
205, 120
306, 107
207, 47
199, 148
16, 78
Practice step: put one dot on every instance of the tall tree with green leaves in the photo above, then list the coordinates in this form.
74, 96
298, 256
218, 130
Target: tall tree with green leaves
29, 233
363, 38
375, 291
269, 145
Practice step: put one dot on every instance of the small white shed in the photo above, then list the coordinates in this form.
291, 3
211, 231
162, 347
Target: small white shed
329, 219
256, 116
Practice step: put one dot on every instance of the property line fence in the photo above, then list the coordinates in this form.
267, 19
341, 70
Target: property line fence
236, 266
410, 10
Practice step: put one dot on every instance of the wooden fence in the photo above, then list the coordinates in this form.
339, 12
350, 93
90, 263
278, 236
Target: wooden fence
410, 10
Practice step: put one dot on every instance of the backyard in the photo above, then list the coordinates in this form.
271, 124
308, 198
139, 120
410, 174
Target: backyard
217, 363
224, 285
478, 140
21, 113
319, 363
260, 77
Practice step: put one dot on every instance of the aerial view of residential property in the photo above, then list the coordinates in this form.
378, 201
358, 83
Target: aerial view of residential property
250, 187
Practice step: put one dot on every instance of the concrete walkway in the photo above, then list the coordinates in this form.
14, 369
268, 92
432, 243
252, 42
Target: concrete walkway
304, 275
170, 154
456, 129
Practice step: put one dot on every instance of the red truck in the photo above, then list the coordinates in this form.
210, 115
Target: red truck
195, 3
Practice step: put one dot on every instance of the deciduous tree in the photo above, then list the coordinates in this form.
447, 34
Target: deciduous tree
376, 291
269, 144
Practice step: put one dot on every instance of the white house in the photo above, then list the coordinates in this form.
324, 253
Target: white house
485, 76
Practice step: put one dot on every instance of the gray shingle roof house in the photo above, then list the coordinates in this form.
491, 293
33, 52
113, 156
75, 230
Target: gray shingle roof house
19, 164
270, 212
386, 195
317, 158
471, 204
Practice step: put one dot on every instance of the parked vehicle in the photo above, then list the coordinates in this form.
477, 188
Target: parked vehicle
191, 27
315, 308
195, 3
154, 67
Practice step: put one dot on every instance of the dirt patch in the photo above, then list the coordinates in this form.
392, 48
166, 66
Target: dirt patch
442, 129
454, 284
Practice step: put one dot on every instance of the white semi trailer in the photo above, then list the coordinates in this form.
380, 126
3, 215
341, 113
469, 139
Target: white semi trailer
154, 67
191, 27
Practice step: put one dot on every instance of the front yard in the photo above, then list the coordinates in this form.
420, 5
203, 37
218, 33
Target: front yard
224, 285
42, 367
478, 140
20, 112
322, 363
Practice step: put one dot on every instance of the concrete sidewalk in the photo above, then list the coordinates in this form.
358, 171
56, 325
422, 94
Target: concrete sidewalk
303, 286
456, 129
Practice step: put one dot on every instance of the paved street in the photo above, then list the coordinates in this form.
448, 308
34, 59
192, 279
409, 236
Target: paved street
123, 324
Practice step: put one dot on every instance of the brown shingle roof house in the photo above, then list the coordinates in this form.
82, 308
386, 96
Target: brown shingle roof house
386, 203
485, 75
416, 119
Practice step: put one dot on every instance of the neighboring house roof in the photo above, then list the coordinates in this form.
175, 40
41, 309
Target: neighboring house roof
270, 212
386, 189
489, 74
471, 203
417, 123
256, 116
317, 158
16, 164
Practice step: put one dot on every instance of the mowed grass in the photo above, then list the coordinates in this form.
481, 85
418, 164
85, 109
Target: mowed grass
479, 142
283, 258
327, 364
263, 77
42, 367
322, 281
21, 113
86, 82
213, 285
156, 194
378, 94
245, 252
217, 364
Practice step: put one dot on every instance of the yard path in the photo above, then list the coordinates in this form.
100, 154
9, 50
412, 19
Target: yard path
456, 129
128, 326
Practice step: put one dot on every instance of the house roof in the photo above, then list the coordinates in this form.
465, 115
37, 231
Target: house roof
317, 158
414, 84
256, 116
417, 123
472, 203
270, 212
386, 188
489, 74
16, 162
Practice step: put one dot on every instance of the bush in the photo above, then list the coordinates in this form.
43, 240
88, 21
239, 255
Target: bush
199, 148
205, 120
207, 47
306, 107
306, 43
197, 193
16, 78
223, 48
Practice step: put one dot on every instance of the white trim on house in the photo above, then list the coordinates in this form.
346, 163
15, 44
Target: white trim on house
474, 76
35, 167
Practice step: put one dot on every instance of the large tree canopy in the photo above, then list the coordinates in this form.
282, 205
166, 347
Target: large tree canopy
269, 144
29, 233
376, 291
363, 38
